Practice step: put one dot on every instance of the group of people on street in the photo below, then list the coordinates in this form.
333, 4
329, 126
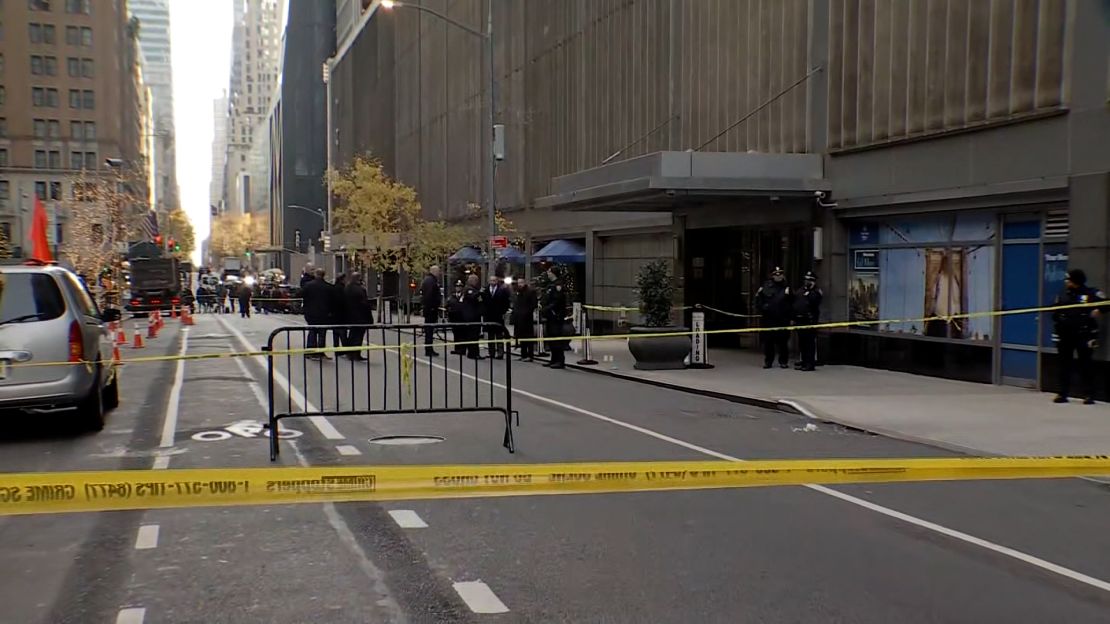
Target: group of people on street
473, 303
779, 308
344, 302
222, 298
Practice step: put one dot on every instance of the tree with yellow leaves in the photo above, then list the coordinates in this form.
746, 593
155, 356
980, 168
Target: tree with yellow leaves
387, 214
237, 235
179, 229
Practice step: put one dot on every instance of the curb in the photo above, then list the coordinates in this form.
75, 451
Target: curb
790, 406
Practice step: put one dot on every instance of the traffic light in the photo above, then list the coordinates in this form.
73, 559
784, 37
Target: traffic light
177, 247
169, 245
158, 239
249, 252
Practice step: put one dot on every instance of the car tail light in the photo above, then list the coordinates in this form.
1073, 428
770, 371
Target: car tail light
76, 343
175, 300
135, 302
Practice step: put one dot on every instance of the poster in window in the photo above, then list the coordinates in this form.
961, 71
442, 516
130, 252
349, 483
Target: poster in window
863, 297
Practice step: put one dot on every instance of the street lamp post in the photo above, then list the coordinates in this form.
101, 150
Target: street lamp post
487, 38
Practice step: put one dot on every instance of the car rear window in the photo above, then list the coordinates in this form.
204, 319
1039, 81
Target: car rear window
29, 297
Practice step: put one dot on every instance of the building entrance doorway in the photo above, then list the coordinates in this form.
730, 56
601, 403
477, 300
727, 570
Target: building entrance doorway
726, 266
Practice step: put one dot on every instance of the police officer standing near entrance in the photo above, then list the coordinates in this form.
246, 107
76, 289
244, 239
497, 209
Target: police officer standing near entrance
774, 301
1076, 331
807, 311
554, 314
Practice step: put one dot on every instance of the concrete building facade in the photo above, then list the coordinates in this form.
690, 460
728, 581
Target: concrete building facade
926, 158
219, 155
255, 58
71, 95
155, 43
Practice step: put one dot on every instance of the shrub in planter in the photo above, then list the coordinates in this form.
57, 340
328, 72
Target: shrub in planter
656, 292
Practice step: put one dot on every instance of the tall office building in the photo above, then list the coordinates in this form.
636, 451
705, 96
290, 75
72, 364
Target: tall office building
256, 43
154, 40
71, 95
219, 153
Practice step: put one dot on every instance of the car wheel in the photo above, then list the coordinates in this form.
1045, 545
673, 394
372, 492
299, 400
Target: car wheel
90, 410
111, 394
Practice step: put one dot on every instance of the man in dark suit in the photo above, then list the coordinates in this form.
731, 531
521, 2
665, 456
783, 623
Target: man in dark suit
495, 307
430, 301
316, 297
358, 313
472, 307
524, 329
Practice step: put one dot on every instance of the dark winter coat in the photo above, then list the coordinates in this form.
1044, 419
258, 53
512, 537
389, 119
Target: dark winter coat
317, 299
524, 307
807, 305
1077, 323
357, 309
775, 303
430, 297
496, 304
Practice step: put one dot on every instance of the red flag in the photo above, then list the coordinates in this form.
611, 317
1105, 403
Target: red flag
40, 245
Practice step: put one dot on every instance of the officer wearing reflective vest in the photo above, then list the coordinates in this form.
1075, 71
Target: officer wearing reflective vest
1075, 331
807, 311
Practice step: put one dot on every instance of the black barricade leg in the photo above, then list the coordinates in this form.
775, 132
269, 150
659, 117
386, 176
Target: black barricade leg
289, 372
508, 441
270, 403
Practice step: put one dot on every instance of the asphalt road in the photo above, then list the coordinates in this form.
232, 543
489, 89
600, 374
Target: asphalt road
1023, 551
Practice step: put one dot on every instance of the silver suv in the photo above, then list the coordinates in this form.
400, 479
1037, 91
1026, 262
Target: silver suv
48, 316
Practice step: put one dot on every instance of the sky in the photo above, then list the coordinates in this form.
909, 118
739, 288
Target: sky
200, 36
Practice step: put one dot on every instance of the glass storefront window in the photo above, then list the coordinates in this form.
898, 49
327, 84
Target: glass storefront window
908, 269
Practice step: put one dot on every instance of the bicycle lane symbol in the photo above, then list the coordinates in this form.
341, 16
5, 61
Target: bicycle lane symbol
243, 429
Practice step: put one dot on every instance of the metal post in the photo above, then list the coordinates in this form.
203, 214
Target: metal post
491, 174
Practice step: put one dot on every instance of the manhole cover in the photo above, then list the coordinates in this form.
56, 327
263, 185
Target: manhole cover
402, 440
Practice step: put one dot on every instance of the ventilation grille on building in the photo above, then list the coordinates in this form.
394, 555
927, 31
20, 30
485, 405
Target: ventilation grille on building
1056, 224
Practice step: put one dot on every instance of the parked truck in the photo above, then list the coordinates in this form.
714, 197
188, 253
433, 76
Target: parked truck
232, 267
155, 285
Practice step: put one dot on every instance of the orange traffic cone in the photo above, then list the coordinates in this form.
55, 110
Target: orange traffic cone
115, 354
152, 329
138, 344
186, 317
173, 312
121, 336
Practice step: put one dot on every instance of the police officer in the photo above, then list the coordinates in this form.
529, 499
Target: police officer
454, 316
807, 311
554, 314
1076, 331
775, 301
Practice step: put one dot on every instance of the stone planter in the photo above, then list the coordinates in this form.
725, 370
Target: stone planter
661, 353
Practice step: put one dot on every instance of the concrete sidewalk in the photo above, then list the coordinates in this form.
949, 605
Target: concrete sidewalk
966, 417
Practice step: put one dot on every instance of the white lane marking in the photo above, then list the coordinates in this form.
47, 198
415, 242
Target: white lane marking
169, 425
132, 615
147, 538
347, 449
848, 498
385, 599
407, 519
322, 424
479, 597
161, 462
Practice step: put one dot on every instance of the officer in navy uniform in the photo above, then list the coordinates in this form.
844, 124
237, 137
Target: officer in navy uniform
1076, 331
774, 300
807, 311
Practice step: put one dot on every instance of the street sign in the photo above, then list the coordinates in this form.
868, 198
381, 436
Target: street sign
327, 243
498, 242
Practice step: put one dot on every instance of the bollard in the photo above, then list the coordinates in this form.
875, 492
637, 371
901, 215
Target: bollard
584, 330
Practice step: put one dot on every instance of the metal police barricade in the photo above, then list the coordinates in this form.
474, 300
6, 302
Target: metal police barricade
382, 370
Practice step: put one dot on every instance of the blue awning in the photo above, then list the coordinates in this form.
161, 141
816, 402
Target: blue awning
512, 254
562, 251
468, 254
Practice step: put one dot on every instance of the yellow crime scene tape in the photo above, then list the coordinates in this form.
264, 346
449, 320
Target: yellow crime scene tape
63, 492
486, 341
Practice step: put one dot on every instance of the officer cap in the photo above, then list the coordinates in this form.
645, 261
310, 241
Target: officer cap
1077, 276
777, 270
810, 276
